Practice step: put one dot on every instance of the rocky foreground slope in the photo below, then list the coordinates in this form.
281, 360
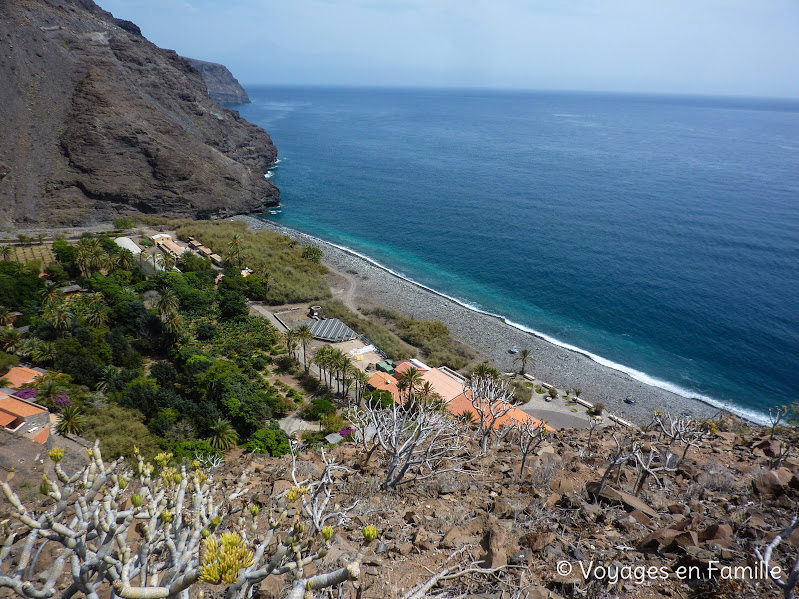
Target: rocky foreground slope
95, 120
690, 531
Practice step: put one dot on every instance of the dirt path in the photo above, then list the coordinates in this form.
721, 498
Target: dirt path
343, 285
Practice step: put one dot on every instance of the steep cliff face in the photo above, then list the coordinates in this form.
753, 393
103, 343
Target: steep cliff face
223, 87
96, 121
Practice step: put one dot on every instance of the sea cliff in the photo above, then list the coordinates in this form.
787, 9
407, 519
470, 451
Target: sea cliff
97, 121
223, 87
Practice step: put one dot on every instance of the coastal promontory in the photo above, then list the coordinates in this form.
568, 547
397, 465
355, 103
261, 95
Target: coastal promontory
96, 121
223, 87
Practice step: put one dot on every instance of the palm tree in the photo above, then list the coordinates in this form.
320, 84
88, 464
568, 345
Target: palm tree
174, 325
89, 255
48, 388
290, 341
411, 379
235, 255
5, 317
71, 421
347, 375
523, 357
51, 296
321, 358
361, 381
125, 260
223, 435
338, 360
43, 352
61, 318
109, 372
6, 251
485, 370
26, 347
167, 303
167, 261
10, 339
98, 315
305, 336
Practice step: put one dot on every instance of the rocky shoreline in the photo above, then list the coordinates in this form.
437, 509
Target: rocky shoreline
492, 337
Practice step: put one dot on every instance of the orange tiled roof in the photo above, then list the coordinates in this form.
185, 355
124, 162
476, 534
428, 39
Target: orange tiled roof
443, 384
19, 375
43, 435
381, 380
462, 404
402, 367
17, 407
6, 419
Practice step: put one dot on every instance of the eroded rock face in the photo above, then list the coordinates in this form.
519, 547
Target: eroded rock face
223, 87
96, 121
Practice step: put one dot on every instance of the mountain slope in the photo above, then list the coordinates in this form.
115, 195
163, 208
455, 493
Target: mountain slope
95, 121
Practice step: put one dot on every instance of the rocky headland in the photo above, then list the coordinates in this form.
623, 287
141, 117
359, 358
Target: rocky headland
223, 87
97, 121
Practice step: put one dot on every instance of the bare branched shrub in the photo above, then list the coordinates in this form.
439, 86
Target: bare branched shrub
189, 531
418, 440
789, 581
491, 400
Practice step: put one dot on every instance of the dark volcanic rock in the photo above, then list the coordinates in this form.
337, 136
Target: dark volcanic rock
96, 121
223, 87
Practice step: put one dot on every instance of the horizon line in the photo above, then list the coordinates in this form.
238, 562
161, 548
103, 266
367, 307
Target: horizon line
401, 87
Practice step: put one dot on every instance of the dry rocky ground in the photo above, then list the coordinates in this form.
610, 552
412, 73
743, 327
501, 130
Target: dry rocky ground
725, 499
733, 492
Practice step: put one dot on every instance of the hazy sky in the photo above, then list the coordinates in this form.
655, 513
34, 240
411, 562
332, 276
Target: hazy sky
737, 47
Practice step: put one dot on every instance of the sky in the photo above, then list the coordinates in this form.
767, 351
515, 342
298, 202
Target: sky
715, 47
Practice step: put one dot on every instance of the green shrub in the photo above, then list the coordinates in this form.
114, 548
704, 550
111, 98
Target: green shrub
7, 362
270, 440
317, 409
332, 423
125, 222
119, 431
521, 392
189, 450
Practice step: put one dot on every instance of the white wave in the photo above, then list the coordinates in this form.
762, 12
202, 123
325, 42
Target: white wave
268, 175
751, 415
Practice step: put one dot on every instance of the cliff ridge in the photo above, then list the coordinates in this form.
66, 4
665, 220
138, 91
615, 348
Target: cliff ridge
97, 121
223, 87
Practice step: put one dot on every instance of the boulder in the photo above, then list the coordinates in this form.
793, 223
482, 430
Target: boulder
630, 502
656, 539
455, 537
773, 483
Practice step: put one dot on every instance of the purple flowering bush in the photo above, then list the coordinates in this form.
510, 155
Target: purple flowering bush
61, 401
346, 431
26, 393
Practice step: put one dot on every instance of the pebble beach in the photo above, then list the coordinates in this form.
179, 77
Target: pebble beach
492, 338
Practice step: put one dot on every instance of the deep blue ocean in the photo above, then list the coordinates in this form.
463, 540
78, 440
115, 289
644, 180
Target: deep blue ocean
659, 234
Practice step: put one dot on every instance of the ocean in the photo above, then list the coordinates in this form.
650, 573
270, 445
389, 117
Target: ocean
658, 234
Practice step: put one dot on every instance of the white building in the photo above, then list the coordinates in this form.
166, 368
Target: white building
128, 244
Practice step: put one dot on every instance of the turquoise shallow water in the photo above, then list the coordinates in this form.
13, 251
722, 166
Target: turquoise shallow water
659, 234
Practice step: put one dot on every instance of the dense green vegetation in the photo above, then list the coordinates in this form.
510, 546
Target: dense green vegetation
168, 362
